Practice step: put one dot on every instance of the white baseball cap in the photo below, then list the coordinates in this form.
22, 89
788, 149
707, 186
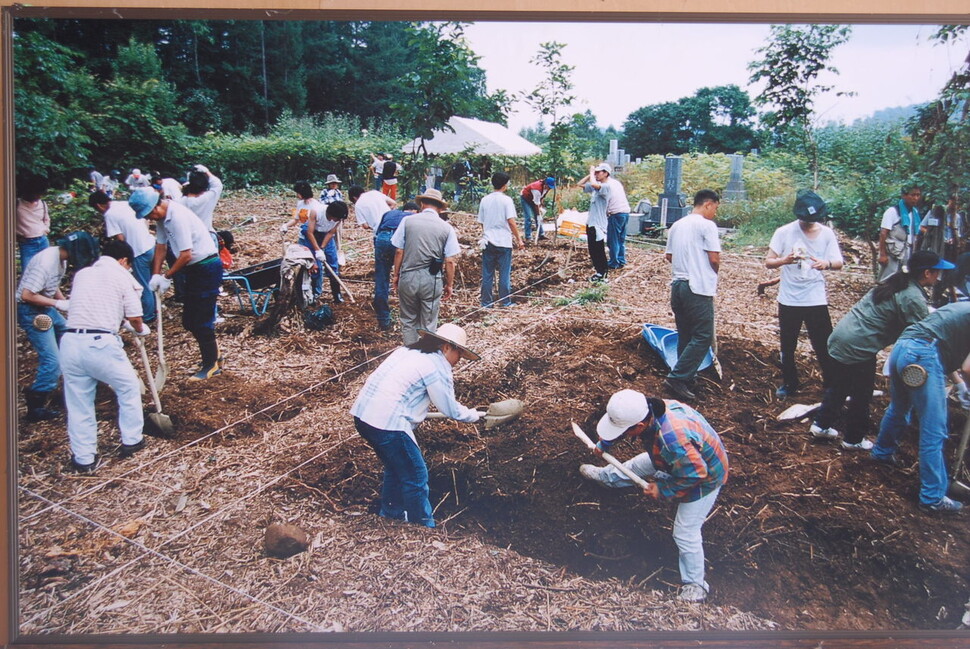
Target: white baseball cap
603, 167
625, 408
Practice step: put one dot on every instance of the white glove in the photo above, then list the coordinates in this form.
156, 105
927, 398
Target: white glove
284, 228
963, 395
478, 414
145, 330
202, 168
62, 305
159, 284
320, 255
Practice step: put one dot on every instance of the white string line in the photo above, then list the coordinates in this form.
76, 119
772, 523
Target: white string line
146, 550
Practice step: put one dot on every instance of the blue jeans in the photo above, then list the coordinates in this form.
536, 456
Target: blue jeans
142, 270
616, 239
330, 252
496, 258
529, 216
383, 263
404, 494
29, 248
44, 343
316, 278
694, 315
929, 403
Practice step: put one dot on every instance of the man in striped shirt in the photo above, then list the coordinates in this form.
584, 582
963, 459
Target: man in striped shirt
685, 459
395, 399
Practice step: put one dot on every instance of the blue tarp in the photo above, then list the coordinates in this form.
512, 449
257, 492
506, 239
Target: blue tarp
664, 342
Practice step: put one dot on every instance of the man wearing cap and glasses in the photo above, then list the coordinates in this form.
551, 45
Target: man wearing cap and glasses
424, 264
531, 199
395, 399
804, 249
610, 191
196, 254
684, 457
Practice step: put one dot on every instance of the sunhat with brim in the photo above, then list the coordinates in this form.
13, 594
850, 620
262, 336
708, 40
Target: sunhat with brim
927, 260
625, 408
453, 335
142, 201
434, 196
332, 178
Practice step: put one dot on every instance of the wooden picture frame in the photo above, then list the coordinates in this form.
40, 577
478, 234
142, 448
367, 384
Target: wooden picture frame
777, 11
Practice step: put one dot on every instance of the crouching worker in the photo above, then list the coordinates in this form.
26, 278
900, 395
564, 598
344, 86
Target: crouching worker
684, 457
102, 296
395, 399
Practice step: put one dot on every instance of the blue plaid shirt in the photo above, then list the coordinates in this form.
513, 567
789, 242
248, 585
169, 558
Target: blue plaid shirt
397, 395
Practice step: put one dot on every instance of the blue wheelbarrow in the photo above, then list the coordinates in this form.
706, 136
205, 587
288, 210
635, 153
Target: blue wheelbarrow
664, 342
259, 282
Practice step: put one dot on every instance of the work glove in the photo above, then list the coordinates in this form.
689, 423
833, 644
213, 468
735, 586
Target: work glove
62, 305
320, 255
159, 284
477, 414
963, 395
127, 326
284, 228
202, 168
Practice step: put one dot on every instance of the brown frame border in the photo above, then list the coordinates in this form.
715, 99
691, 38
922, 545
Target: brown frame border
738, 11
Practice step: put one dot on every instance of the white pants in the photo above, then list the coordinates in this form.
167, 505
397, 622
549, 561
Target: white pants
85, 360
687, 524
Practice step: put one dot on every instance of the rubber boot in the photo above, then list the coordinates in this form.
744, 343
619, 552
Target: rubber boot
37, 409
210, 361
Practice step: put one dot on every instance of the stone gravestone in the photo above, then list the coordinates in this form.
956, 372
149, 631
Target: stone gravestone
735, 188
671, 204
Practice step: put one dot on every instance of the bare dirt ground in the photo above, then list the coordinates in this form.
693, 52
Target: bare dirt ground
804, 536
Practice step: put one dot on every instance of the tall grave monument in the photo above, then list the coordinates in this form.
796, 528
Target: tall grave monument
671, 204
735, 188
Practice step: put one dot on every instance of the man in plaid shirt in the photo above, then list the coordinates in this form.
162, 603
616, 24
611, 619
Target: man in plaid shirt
685, 459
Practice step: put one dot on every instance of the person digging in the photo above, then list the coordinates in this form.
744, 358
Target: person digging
683, 456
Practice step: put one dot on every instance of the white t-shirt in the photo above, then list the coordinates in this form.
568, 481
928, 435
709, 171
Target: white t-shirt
185, 230
205, 203
802, 285
43, 273
370, 207
688, 242
171, 188
120, 219
494, 212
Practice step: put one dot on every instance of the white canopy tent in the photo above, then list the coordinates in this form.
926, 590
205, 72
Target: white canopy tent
483, 138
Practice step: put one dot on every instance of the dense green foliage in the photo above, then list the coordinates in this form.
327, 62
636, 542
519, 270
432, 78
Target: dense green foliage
712, 120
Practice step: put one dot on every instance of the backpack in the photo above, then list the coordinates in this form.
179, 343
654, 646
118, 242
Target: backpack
319, 318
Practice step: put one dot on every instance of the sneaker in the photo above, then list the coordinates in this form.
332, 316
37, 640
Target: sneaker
85, 469
692, 593
598, 278
825, 433
127, 450
679, 389
890, 461
944, 506
542, 237
206, 372
338, 299
218, 320
384, 326
785, 391
589, 472
864, 445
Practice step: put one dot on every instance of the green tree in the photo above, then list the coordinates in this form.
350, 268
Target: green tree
550, 98
789, 66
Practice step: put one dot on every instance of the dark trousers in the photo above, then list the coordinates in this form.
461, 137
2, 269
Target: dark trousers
857, 381
694, 317
597, 251
202, 282
819, 325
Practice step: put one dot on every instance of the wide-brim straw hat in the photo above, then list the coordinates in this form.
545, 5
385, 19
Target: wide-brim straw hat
433, 195
332, 178
453, 335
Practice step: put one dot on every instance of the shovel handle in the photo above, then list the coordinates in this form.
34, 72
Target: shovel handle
339, 281
640, 482
148, 373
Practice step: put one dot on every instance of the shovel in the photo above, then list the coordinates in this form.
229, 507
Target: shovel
162, 374
637, 480
498, 413
339, 281
958, 489
160, 425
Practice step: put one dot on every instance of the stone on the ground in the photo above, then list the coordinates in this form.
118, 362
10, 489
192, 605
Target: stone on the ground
283, 540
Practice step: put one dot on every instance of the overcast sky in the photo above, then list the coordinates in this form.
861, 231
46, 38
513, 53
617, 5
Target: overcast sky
621, 67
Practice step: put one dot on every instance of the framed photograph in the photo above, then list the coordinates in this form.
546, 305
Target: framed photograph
254, 514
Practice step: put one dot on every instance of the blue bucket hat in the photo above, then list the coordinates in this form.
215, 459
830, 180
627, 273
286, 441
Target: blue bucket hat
550, 182
143, 201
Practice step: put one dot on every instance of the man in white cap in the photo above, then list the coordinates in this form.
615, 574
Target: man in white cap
424, 264
684, 457
137, 179
395, 399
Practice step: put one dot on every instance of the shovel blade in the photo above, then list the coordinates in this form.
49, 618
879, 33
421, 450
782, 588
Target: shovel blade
502, 412
159, 425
